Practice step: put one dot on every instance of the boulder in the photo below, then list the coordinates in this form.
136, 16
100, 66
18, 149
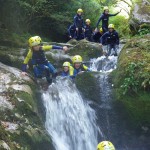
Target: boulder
140, 15
21, 125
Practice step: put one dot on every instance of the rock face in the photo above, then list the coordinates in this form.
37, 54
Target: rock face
20, 123
132, 80
140, 15
86, 49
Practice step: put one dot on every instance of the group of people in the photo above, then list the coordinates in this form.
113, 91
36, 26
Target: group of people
42, 67
106, 35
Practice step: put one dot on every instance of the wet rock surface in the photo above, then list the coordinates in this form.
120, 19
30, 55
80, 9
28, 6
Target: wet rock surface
20, 123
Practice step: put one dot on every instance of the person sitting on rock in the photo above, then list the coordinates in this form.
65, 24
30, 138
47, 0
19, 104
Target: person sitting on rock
97, 35
72, 31
105, 19
111, 39
105, 145
79, 24
39, 61
88, 30
78, 65
67, 70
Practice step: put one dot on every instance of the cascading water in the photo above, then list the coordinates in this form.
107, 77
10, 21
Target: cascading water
70, 121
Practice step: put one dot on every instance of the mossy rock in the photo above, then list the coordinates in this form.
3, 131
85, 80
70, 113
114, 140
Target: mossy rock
86, 49
21, 94
87, 85
132, 79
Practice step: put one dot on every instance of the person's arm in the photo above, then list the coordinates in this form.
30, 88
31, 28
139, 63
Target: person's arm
99, 20
86, 68
26, 60
49, 47
75, 22
71, 72
103, 38
110, 15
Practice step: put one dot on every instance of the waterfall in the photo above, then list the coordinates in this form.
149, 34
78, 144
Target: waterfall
70, 120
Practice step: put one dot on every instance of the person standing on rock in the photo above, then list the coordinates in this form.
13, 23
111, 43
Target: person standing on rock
105, 19
88, 30
111, 40
41, 66
79, 24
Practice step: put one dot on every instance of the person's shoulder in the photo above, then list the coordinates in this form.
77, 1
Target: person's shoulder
115, 32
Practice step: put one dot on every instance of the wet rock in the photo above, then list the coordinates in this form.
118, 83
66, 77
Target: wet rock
88, 86
20, 119
86, 49
131, 80
140, 15
4, 145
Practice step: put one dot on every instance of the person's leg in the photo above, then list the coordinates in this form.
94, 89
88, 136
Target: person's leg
37, 72
52, 69
108, 50
80, 36
115, 50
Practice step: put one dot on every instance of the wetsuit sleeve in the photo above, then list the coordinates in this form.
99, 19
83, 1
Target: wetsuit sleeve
28, 57
71, 71
49, 47
99, 20
26, 60
103, 38
110, 15
86, 68
75, 21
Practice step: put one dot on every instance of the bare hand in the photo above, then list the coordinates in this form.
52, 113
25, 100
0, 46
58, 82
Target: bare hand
24, 74
65, 48
81, 72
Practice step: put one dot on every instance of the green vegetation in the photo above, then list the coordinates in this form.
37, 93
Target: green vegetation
132, 83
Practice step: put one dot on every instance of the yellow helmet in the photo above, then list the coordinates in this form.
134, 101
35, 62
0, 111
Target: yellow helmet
105, 145
101, 29
88, 21
38, 38
34, 41
105, 8
66, 64
79, 10
77, 59
111, 26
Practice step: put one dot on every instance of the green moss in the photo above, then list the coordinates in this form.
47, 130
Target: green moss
132, 84
86, 49
138, 108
